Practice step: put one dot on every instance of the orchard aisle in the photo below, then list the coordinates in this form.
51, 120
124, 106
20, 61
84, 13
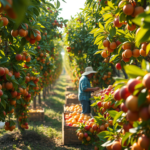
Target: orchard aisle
46, 135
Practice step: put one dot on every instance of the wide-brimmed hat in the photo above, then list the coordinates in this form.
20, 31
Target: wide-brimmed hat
89, 70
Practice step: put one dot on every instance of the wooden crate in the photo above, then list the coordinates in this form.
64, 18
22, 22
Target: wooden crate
69, 133
69, 88
67, 93
36, 116
69, 111
72, 101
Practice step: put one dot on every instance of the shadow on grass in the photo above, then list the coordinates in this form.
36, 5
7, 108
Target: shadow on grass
60, 89
29, 140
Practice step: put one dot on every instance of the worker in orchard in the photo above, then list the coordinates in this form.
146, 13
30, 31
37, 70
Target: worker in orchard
85, 89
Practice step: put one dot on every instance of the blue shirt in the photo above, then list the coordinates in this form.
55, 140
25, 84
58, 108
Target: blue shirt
84, 83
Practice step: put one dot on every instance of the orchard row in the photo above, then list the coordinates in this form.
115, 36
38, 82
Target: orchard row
30, 55
121, 42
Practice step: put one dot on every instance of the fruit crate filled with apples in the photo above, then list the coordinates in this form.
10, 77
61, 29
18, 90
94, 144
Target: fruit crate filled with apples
70, 88
36, 114
70, 123
73, 108
72, 96
72, 99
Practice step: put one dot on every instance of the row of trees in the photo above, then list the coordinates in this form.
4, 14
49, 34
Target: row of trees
30, 55
120, 30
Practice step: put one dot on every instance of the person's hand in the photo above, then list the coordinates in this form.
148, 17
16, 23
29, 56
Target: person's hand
96, 88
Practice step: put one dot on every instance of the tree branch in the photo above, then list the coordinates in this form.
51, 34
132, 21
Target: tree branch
145, 4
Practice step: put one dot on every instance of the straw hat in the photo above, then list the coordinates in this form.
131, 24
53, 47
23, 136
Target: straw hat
89, 70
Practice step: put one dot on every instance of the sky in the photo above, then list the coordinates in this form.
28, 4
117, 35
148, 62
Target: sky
71, 8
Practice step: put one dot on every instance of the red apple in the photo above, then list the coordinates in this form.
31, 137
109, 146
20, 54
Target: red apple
2, 71
17, 74
117, 95
1, 92
144, 114
123, 107
87, 127
127, 126
107, 93
14, 94
85, 135
70, 124
108, 89
94, 126
99, 104
131, 85
124, 93
26, 123
38, 47
118, 66
117, 23
117, 109
18, 57
118, 42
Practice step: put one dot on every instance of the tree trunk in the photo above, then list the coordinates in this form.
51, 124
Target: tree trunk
34, 102
39, 99
145, 4
19, 127
126, 76
50, 87
43, 93
114, 69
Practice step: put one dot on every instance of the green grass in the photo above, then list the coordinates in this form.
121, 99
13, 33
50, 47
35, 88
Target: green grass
46, 135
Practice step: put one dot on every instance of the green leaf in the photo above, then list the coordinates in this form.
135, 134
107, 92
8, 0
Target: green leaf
125, 137
108, 143
23, 41
112, 113
117, 116
143, 64
20, 49
138, 88
20, 8
14, 81
134, 71
3, 103
100, 25
98, 39
104, 134
113, 31
142, 35
58, 4
148, 49
113, 57
94, 30
94, 104
31, 83
3, 61
122, 17
98, 52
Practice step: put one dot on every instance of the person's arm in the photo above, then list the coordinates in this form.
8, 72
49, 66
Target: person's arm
91, 89
85, 87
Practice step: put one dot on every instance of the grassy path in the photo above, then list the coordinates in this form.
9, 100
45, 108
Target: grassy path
44, 135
